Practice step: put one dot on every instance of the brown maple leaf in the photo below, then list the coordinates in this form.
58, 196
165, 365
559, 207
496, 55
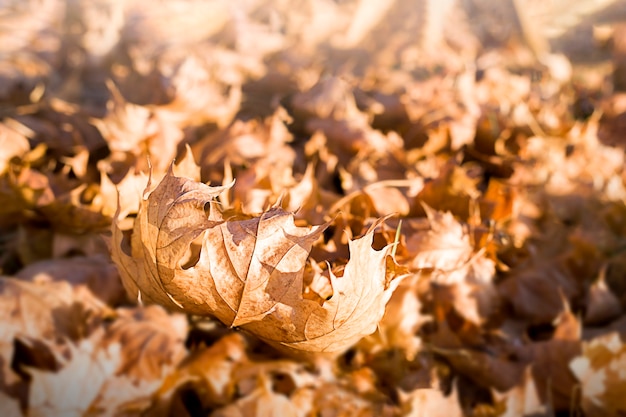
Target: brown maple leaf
353, 309
168, 222
248, 271
263, 401
151, 340
209, 370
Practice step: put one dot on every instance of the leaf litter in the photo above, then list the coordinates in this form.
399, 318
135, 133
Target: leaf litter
310, 208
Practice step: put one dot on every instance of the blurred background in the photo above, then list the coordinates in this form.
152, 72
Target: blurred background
72, 46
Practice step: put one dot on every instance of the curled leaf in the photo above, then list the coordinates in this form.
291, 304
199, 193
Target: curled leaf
248, 271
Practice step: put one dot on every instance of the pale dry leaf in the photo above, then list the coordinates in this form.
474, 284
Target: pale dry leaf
262, 402
430, 402
72, 390
388, 200
445, 246
125, 125
469, 289
139, 131
302, 196
201, 93
287, 376
600, 372
43, 312
317, 286
364, 381
329, 98
253, 263
330, 107
164, 132
124, 396
151, 340
521, 400
402, 319
38, 319
126, 194
12, 145
151, 344
78, 163
185, 165
264, 183
336, 400
114, 369
246, 142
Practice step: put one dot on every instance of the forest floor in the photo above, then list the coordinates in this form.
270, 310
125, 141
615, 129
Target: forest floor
308, 209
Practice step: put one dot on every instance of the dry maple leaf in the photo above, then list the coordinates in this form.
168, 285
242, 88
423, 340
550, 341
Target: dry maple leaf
337, 400
209, 370
353, 309
46, 310
72, 390
112, 370
151, 344
151, 340
262, 402
468, 290
238, 261
446, 246
167, 223
600, 371
39, 319
402, 319
248, 271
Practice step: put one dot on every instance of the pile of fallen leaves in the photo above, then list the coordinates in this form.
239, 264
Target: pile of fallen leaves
304, 209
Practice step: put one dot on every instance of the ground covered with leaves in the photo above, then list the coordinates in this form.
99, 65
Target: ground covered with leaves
309, 208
